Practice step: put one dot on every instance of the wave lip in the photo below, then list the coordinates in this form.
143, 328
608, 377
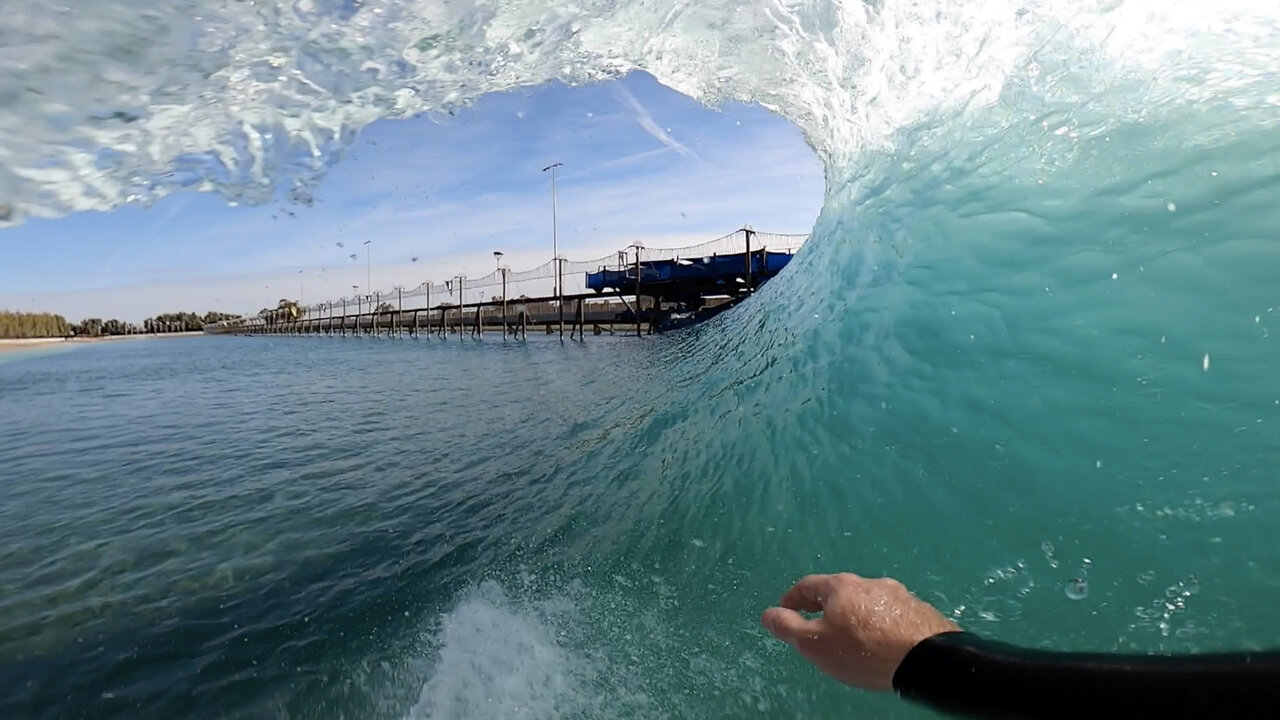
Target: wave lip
112, 102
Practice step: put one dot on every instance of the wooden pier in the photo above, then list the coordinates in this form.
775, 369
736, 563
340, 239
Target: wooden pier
639, 292
584, 314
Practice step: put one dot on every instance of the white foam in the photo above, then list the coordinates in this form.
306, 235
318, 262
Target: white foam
497, 662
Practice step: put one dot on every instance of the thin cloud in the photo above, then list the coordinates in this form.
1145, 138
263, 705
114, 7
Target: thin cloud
646, 121
617, 163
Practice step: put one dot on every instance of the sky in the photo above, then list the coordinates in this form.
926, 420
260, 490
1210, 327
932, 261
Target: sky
435, 196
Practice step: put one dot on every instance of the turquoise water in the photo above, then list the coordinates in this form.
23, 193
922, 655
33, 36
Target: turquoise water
1027, 346
327, 527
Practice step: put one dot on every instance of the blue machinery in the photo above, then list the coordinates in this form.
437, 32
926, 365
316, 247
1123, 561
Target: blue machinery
689, 290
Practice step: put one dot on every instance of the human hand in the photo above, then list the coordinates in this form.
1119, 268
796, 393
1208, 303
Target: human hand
866, 628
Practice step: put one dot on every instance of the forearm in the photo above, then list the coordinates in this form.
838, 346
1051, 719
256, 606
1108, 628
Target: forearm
962, 674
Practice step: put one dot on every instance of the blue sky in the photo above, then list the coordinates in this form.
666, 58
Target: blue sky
641, 163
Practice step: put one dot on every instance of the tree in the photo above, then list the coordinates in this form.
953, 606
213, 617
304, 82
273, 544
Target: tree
33, 325
90, 327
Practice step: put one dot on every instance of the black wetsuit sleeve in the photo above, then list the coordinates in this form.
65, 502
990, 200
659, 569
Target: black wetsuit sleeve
962, 674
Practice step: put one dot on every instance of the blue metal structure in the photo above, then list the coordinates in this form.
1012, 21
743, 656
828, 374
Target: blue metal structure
680, 288
713, 275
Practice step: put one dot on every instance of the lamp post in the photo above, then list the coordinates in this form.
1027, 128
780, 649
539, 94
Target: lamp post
555, 247
497, 259
395, 320
368, 267
355, 289
461, 321
504, 302
555, 237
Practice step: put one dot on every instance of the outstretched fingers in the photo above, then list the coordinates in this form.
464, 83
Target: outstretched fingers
809, 594
790, 626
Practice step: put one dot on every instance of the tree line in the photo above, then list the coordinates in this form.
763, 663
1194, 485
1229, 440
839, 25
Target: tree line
15, 325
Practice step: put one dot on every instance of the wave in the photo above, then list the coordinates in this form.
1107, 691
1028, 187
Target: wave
112, 103
1035, 311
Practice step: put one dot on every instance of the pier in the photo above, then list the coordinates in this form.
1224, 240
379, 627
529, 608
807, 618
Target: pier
637, 290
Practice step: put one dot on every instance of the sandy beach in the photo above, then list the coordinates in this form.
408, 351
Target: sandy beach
11, 345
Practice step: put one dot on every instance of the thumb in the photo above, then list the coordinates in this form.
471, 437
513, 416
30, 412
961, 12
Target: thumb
789, 626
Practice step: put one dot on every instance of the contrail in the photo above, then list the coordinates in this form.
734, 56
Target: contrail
646, 121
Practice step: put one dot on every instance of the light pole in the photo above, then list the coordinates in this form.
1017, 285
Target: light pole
461, 321
302, 288
368, 266
555, 239
497, 258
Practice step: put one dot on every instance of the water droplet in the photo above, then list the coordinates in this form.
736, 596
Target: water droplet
1077, 589
1190, 585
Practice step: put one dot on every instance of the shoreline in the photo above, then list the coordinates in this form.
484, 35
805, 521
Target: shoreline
20, 344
